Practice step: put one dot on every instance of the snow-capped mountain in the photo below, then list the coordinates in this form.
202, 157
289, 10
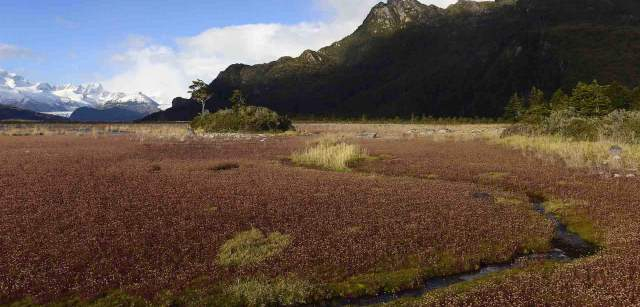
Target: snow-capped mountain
16, 91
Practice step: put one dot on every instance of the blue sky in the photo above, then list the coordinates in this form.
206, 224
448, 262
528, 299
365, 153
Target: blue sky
158, 46
69, 39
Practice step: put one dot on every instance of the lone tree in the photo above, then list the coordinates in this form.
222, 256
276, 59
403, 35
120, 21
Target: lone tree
200, 92
237, 101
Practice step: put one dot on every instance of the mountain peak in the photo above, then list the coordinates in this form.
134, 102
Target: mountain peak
15, 90
397, 14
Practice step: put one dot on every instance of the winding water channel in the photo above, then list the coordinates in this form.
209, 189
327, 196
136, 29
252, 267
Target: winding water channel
566, 246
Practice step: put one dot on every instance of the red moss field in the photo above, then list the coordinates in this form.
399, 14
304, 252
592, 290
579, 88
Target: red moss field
86, 218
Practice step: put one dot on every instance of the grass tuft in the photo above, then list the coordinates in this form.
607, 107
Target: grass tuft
330, 154
252, 247
279, 292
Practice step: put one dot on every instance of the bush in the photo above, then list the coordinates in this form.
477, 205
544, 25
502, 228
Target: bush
520, 129
242, 119
252, 247
622, 126
618, 126
581, 129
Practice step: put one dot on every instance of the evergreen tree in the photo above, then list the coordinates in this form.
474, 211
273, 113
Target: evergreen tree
590, 99
538, 106
237, 101
514, 109
536, 98
559, 101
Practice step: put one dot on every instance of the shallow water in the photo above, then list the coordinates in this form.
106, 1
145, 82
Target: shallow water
566, 246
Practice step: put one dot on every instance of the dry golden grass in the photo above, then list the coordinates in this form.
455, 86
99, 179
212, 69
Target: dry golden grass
385, 131
577, 154
156, 131
331, 153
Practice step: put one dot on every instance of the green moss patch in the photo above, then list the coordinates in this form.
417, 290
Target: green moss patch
374, 283
252, 247
279, 292
575, 221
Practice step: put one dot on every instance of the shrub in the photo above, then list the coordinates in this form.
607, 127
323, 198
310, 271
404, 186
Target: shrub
242, 118
581, 129
252, 247
330, 154
622, 126
279, 292
520, 129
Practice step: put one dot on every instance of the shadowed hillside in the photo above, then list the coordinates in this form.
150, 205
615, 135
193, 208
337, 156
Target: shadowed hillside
466, 60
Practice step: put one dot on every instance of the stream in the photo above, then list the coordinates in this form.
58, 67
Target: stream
566, 246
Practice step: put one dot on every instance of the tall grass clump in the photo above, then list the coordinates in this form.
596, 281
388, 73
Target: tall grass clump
329, 153
252, 247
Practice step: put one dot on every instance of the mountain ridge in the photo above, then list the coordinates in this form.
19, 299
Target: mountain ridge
466, 60
16, 91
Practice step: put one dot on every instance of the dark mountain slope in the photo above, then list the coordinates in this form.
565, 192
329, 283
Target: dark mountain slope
8, 113
105, 115
466, 60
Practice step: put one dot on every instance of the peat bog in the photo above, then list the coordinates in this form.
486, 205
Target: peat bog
87, 218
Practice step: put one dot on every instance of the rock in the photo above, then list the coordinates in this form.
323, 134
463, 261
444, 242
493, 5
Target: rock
631, 176
617, 176
368, 135
445, 131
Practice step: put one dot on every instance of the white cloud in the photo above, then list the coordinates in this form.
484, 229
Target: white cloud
11, 52
164, 72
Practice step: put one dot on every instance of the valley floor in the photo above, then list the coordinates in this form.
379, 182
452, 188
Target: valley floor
121, 218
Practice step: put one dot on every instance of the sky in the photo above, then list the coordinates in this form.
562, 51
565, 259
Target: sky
158, 46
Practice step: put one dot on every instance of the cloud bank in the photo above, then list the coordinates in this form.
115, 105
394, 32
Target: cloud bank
164, 72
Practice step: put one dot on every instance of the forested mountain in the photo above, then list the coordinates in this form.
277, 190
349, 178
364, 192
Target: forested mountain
465, 60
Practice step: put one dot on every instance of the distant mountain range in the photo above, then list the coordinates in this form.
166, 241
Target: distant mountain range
8, 113
115, 114
16, 91
466, 60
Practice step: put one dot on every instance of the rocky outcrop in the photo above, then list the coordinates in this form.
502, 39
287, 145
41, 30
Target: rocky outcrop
398, 14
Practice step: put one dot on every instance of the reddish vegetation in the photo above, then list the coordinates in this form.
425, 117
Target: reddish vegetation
611, 278
82, 216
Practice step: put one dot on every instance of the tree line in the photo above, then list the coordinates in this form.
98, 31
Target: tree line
585, 99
